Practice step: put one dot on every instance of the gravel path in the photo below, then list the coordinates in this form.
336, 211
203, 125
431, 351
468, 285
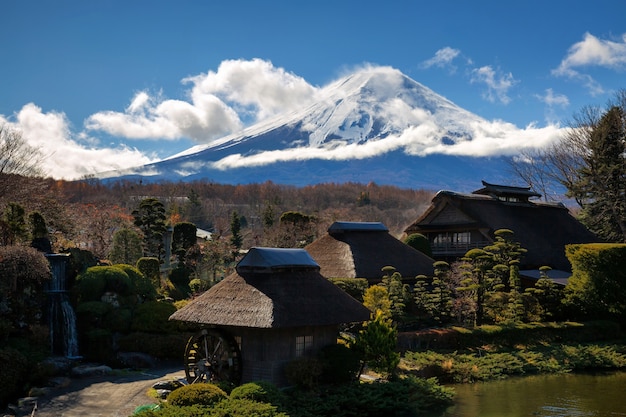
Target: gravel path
115, 395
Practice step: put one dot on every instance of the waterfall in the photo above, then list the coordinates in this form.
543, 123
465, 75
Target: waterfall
62, 319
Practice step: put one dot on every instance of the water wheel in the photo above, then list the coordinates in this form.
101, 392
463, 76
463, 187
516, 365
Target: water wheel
212, 355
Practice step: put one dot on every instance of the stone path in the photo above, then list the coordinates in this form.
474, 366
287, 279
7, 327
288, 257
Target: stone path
114, 395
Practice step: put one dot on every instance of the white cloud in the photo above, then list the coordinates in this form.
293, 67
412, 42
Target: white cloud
497, 84
494, 138
443, 59
66, 157
552, 99
589, 52
255, 87
252, 90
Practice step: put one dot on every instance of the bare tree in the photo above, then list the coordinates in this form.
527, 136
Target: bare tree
17, 156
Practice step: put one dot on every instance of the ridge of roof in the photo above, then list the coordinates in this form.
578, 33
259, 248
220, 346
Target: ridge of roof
260, 259
341, 227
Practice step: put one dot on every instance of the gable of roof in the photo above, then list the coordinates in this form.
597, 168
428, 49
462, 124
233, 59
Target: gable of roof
497, 190
263, 294
361, 251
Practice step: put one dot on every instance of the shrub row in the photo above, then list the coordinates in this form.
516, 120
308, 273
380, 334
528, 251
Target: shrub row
458, 338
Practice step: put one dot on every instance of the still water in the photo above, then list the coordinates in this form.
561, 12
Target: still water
569, 395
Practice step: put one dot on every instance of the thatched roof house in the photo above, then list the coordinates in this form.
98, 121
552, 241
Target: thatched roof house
362, 249
455, 223
278, 307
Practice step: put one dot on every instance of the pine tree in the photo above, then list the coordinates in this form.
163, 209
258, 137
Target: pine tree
603, 177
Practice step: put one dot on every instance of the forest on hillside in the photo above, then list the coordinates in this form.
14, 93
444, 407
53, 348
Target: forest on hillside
87, 213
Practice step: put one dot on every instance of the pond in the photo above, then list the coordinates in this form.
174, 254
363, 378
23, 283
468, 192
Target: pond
567, 395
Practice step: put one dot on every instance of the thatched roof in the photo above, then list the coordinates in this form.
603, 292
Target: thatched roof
542, 228
362, 249
274, 288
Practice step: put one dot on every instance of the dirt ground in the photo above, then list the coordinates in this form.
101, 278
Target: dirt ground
114, 395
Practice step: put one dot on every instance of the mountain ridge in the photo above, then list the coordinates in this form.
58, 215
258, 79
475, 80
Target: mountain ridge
368, 126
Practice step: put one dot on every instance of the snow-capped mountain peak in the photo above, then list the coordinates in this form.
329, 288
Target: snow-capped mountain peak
364, 127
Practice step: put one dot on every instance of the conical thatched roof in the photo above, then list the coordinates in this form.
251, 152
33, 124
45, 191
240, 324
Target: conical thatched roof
274, 288
362, 249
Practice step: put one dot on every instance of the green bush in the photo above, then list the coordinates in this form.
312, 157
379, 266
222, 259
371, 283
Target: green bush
97, 345
151, 269
340, 364
141, 285
161, 346
118, 320
419, 242
400, 397
13, 374
354, 286
91, 314
153, 317
244, 407
196, 394
260, 391
304, 372
172, 411
97, 280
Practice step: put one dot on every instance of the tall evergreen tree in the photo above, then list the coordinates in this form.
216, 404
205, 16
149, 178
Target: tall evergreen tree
602, 179
150, 218
126, 247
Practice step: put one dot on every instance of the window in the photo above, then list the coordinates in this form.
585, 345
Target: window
457, 238
303, 343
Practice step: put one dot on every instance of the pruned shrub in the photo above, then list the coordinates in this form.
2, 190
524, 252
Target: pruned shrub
354, 286
141, 285
95, 281
196, 394
261, 391
244, 407
304, 372
153, 317
151, 269
161, 346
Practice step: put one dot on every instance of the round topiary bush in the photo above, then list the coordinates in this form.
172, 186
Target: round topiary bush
260, 391
419, 242
196, 394
153, 317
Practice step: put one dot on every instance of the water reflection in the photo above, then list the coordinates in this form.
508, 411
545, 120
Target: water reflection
568, 395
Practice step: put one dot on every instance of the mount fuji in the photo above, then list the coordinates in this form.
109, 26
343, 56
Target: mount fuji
375, 125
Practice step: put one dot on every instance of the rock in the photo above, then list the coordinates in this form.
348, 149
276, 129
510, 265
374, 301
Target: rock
39, 391
136, 360
90, 370
163, 393
59, 382
58, 365
167, 385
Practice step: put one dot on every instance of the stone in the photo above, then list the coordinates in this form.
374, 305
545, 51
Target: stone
167, 385
91, 370
136, 360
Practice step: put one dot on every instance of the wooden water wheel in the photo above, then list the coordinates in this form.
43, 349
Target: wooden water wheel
212, 355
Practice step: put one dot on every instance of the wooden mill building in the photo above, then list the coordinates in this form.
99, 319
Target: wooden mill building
455, 223
363, 249
278, 307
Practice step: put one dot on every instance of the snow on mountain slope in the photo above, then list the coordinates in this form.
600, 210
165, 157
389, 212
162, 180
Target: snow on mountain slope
374, 116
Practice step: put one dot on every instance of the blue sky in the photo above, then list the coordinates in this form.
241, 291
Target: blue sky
109, 84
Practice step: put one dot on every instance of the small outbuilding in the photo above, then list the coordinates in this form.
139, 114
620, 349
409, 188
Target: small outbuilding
363, 249
275, 308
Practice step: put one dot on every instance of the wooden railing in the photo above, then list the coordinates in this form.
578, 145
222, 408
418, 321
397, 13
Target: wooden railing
456, 248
